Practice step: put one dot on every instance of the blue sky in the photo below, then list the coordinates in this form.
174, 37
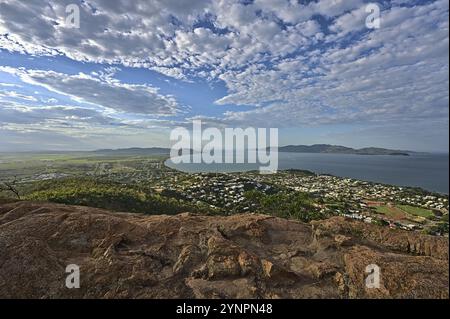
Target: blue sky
135, 70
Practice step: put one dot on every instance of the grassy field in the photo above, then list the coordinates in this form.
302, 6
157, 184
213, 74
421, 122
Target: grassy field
391, 211
417, 211
404, 211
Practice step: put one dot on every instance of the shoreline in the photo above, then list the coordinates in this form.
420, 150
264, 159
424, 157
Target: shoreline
309, 172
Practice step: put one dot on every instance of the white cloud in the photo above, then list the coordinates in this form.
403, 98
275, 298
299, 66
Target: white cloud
296, 63
396, 73
17, 95
101, 90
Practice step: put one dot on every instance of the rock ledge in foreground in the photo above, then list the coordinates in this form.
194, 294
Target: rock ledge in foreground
124, 255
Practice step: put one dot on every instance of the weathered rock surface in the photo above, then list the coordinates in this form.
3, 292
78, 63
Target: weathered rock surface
125, 255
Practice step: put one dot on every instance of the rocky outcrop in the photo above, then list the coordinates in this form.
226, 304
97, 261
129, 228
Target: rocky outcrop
393, 239
123, 255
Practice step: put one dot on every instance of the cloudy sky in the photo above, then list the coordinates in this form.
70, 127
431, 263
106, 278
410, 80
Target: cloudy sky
134, 70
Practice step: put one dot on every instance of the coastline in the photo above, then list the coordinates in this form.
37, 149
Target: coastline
315, 172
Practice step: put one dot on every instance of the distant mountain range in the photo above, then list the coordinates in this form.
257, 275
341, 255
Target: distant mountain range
316, 148
338, 149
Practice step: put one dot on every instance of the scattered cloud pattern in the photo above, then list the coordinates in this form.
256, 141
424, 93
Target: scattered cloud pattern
281, 63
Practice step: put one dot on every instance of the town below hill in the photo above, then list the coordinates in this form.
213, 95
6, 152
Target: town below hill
143, 184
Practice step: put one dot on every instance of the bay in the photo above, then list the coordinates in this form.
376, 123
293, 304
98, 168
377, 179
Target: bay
428, 171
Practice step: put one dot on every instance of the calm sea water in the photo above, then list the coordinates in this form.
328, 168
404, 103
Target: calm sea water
429, 171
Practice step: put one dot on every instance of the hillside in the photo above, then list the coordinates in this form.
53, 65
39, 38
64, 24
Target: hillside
125, 255
337, 149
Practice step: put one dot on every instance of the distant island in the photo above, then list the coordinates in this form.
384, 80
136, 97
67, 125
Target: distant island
316, 148
338, 149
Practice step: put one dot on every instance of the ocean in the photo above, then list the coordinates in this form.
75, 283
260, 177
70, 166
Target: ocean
428, 171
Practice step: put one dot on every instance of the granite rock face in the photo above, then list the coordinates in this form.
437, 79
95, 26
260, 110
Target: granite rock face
123, 255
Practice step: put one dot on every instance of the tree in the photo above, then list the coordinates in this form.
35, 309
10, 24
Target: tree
10, 186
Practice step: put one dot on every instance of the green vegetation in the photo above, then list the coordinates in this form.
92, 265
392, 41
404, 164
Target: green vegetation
417, 211
385, 210
28, 166
108, 195
380, 222
402, 211
287, 205
390, 211
441, 228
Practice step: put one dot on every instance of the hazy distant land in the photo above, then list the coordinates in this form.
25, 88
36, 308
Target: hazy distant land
338, 149
315, 148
